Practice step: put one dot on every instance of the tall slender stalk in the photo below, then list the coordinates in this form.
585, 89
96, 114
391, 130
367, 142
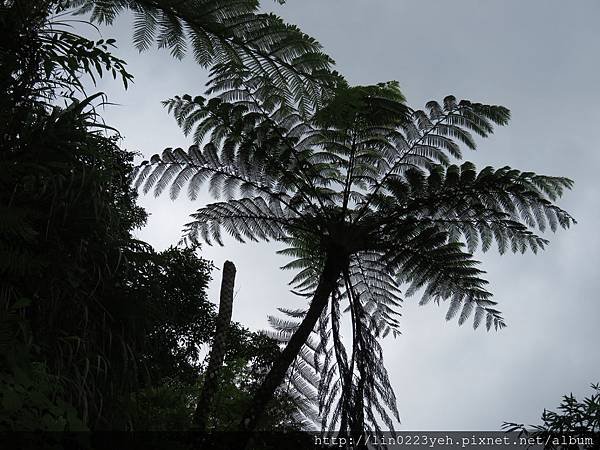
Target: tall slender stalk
219, 348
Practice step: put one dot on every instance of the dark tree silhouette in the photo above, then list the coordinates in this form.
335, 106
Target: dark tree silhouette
366, 197
218, 349
97, 330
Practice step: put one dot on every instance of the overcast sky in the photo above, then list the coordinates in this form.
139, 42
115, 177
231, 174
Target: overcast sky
539, 58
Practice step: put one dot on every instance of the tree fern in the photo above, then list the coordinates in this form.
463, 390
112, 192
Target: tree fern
373, 208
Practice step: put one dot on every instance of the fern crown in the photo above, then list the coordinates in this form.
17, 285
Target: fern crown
372, 181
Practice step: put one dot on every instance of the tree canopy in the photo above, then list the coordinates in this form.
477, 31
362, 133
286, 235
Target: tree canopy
373, 207
97, 329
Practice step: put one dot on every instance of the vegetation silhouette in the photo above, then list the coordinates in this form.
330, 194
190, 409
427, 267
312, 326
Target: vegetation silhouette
366, 197
97, 329
218, 348
576, 424
227, 37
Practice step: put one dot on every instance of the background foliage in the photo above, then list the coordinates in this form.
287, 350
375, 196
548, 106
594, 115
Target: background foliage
97, 329
575, 419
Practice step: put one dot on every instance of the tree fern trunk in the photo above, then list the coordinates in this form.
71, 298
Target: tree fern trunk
327, 283
218, 350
